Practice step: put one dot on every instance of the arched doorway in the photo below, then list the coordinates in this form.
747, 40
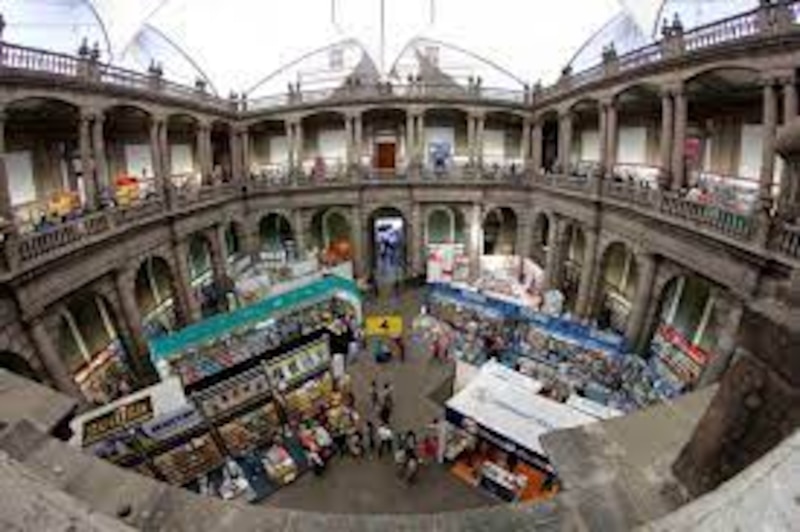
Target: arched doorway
18, 365
618, 280
333, 235
541, 237
500, 232
684, 335
445, 240
93, 351
277, 237
155, 297
388, 243
211, 297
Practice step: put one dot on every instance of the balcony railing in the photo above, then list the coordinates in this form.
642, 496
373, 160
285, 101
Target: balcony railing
730, 223
788, 241
47, 240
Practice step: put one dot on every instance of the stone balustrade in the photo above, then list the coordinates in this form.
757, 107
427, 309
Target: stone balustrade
787, 241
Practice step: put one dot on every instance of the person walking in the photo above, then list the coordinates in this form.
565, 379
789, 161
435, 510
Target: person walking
370, 433
401, 348
373, 395
384, 439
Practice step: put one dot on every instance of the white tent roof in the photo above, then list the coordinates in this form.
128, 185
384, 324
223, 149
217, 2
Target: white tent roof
507, 403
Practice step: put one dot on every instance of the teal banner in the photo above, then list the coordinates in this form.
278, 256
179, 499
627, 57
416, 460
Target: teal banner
216, 326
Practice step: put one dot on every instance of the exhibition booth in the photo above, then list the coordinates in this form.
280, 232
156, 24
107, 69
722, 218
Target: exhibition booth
496, 422
244, 396
473, 327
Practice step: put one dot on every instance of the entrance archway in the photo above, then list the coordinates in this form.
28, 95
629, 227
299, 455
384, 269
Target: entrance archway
500, 232
388, 240
333, 235
93, 350
618, 280
155, 297
276, 234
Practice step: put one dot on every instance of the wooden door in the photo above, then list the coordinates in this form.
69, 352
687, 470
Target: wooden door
386, 155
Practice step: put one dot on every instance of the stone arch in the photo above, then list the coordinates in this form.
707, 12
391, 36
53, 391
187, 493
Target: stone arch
276, 232
445, 215
617, 284
18, 365
388, 228
499, 229
688, 76
17, 102
541, 237
91, 342
684, 312
155, 291
635, 88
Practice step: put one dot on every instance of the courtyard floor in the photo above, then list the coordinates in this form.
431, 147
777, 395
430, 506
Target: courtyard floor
369, 485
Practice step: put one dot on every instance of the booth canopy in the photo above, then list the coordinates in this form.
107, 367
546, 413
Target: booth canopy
507, 403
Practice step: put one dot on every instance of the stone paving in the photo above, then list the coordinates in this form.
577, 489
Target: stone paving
369, 485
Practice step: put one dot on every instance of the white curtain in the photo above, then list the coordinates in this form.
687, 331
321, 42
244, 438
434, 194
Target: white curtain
332, 144
19, 168
752, 141
181, 158
632, 145
138, 160
590, 145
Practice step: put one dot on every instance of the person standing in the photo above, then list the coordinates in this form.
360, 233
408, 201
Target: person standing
370, 436
373, 395
384, 439
401, 348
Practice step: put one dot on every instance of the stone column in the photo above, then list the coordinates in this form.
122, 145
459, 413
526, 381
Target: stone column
244, 149
299, 232
298, 140
358, 133
290, 145
474, 243
420, 152
166, 157
726, 342
203, 134
480, 126
602, 126
647, 266
524, 234
6, 212
769, 125
140, 357
85, 147
471, 138
678, 165
190, 307
216, 240
155, 155
565, 144
357, 237
667, 130
588, 275
536, 142
417, 240
100, 161
787, 200
555, 252
348, 137
51, 361
526, 142
236, 153
612, 133
411, 135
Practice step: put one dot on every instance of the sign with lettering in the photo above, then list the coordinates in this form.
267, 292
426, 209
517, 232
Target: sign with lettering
121, 418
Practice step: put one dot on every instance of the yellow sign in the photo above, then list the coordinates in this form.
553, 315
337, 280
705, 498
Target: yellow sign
391, 326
